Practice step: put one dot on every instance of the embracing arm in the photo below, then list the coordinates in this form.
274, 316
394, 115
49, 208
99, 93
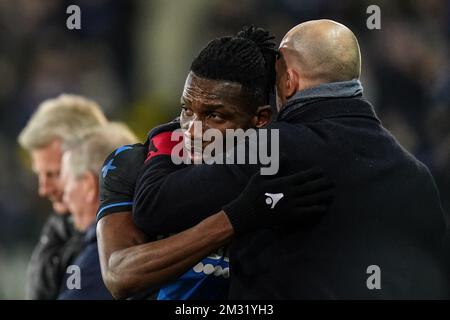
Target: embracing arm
168, 200
130, 266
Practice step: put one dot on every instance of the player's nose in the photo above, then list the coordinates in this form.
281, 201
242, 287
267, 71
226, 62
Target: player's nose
195, 130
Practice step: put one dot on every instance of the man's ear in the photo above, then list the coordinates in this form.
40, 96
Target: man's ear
292, 82
90, 183
263, 116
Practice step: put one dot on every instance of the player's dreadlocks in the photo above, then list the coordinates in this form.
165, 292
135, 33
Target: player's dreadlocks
247, 58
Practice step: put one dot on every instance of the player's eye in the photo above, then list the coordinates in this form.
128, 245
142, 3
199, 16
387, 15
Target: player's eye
187, 111
215, 116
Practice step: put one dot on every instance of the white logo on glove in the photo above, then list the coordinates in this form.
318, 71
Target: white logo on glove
273, 198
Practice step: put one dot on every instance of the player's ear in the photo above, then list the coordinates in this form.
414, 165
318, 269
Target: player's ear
263, 116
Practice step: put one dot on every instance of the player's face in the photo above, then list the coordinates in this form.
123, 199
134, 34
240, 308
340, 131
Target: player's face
218, 104
46, 163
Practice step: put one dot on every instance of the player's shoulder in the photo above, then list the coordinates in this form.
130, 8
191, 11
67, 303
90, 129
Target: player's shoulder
134, 153
127, 150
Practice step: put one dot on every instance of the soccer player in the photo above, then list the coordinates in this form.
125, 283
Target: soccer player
385, 233
228, 87
81, 166
55, 121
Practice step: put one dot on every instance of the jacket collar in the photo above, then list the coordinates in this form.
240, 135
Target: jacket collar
325, 108
328, 100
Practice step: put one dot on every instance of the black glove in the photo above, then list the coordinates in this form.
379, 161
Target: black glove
276, 201
118, 178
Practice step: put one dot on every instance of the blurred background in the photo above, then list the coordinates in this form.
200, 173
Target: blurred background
133, 56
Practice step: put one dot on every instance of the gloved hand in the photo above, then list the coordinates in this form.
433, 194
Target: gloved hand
276, 201
121, 169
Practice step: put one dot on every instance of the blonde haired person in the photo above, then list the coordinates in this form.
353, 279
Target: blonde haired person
81, 165
54, 122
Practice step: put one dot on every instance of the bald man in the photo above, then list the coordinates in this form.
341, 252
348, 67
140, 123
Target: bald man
314, 53
383, 236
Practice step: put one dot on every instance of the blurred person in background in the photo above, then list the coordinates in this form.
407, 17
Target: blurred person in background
55, 121
81, 166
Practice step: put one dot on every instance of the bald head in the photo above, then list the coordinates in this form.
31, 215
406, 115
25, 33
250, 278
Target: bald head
322, 51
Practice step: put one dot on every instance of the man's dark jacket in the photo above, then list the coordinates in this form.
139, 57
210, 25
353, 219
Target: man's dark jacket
91, 282
385, 226
58, 245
